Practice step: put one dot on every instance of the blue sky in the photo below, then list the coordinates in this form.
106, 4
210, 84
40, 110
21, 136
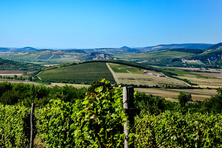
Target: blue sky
108, 23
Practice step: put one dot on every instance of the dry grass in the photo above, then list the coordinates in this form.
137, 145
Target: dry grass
198, 69
137, 79
216, 75
170, 81
10, 73
74, 85
205, 82
38, 142
170, 94
18, 81
146, 79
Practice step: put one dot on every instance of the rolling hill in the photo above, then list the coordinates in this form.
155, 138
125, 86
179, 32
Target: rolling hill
216, 46
122, 71
13, 65
84, 73
182, 55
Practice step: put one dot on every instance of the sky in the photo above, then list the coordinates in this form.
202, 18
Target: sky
63, 24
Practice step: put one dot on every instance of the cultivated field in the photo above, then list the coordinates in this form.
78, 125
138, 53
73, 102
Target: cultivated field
81, 73
74, 85
208, 78
216, 75
152, 57
204, 82
18, 81
132, 75
170, 94
10, 73
47, 56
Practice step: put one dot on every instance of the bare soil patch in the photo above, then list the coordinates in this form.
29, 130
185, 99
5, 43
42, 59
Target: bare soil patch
217, 75
18, 81
171, 94
74, 85
205, 82
10, 73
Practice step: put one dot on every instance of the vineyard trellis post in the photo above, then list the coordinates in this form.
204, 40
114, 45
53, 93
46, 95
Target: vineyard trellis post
128, 106
32, 126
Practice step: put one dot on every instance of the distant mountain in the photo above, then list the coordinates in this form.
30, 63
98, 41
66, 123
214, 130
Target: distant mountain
25, 49
186, 45
4, 49
125, 47
216, 46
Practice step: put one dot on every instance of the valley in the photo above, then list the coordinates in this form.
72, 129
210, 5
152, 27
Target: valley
162, 70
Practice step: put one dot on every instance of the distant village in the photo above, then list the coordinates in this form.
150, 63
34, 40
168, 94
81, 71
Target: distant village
153, 74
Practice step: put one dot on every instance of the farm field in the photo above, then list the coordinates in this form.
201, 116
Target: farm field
18, 81
204, 82
74, 85
154, 55
210, 70
132, 75
11, 73
47, 56
81, 73
205, 79
216, 75
170, 94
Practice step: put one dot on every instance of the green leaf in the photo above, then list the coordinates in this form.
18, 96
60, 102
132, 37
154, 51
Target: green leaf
99, 89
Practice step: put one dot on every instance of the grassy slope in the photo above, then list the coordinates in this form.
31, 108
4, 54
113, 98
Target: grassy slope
44, 56
197, 78
84, 73
169, 94
124, 69
154, 55
13, 65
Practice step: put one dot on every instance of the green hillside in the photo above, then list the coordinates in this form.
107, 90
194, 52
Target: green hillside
211, 57
80, 73
172, 57
48, 56
159, 58
13, 65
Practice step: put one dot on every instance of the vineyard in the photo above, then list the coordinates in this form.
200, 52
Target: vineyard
94, 117
81, 73
138, 76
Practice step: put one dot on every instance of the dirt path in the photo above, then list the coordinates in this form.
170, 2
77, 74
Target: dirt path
51, 57
38, 76
37, 57
113, 73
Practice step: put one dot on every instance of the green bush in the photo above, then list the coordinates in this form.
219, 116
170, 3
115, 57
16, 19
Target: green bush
172, 129
53, 122
14, 126
96, 121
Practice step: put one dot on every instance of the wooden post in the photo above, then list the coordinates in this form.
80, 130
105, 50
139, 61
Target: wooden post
128, 106
31, 126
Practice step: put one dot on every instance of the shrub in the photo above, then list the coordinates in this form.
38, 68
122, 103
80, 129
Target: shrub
96, 121
172, 129
14, 126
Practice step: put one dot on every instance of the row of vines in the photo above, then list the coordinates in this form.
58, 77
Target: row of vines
97, 121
